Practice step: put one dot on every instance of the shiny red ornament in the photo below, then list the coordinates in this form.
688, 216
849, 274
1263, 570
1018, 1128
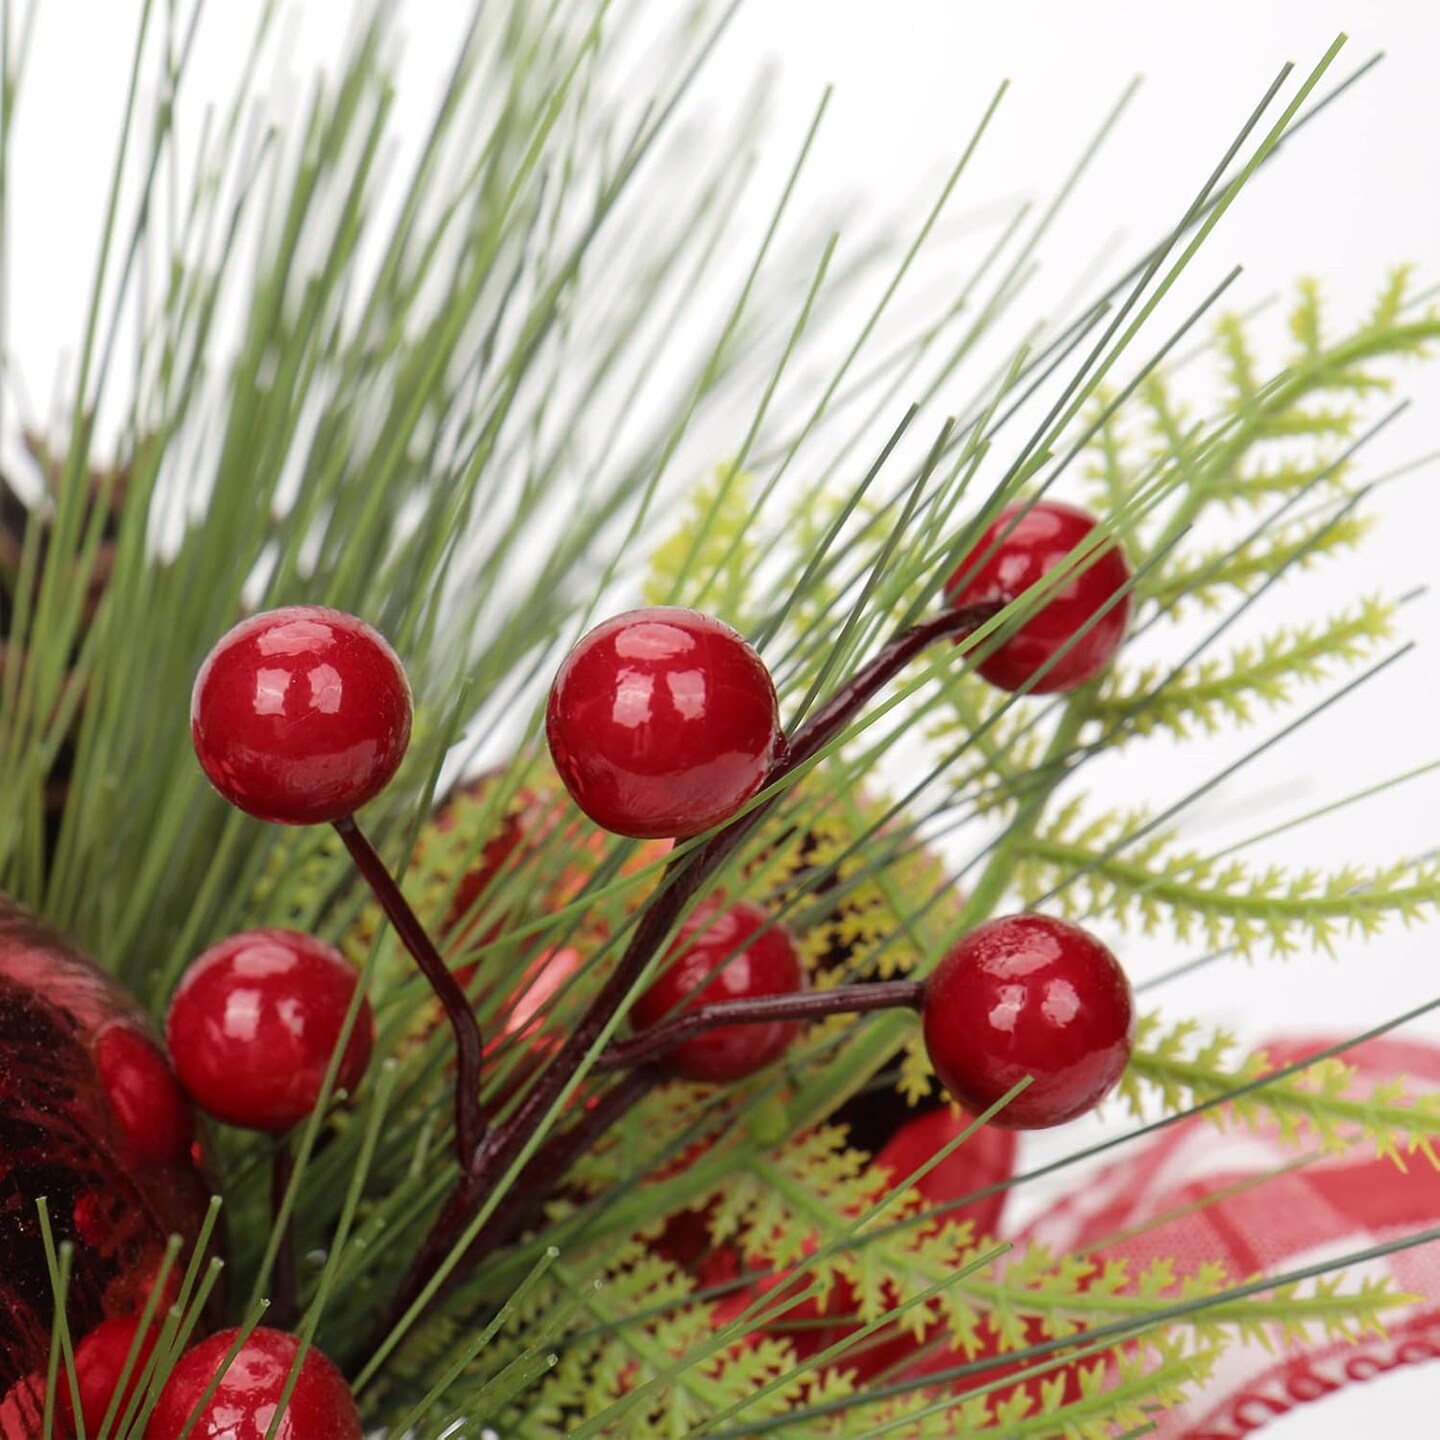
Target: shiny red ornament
254, 1022
142, 1091
662, 723
91, 1118
727, 954
1044, 536
301, 715
1027, 995
244, 1403
985, 1159
100, 1360
519, 1042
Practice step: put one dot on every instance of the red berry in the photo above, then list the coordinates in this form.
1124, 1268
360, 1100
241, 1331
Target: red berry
99, 1360
662, 723
243, 1405
254, 1021
1045, 534
1028, 995
143, 1093
300, 715
723, 956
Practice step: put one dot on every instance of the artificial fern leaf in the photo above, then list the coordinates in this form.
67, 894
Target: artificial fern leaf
1238, 363
1031, 1290
1316, 1105
1305, 319
1215, 693
675, 1365
1214, 577
1116, 867
709, 560
1277, 432
1393, 298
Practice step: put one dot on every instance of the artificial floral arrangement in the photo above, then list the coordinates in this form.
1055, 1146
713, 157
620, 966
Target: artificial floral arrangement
642, 1061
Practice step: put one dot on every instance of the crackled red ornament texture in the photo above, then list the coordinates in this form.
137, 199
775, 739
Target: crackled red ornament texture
91, 1117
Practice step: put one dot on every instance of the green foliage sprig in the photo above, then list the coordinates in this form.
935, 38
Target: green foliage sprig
465, 440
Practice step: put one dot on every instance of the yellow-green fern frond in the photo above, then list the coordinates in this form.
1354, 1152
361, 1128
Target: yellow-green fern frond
1215, 693
1112, 866
1217, 576
709, 559
1317, 1105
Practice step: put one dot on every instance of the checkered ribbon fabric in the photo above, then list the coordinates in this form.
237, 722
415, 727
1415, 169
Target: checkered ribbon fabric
1276, 1213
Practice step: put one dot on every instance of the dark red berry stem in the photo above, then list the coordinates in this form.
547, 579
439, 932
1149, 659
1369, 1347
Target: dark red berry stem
682, 879
500, 1148
470, 1129
283, 1302
688, 873
541, 1178
809, 1005
842, 707
550, 1166
642, 1059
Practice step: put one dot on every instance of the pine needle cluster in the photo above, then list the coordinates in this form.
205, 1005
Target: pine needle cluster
461, 410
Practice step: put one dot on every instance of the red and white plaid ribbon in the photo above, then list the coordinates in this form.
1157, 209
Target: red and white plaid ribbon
1333, 1206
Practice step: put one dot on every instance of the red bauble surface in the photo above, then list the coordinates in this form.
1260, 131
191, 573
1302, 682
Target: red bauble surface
143, 1093
244, 1403
1045, 534
100, 1359
1029, 995
92, 1119
662, 723
722, 955
253, 1024
985, 1159
301, 715
518, 1042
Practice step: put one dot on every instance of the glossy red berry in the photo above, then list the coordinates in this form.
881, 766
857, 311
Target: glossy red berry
300, 715
722, 955
1044, 535
244, 1403
1028, 995
254, 1022
662, 723
144, 1094
100, 1360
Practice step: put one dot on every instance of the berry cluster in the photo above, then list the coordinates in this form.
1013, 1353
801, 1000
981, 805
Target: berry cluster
663, 724
253, 1370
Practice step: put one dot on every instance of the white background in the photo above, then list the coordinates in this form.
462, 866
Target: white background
1357, 193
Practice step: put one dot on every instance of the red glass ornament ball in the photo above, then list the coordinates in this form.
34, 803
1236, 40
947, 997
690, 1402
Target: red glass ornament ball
1043, 537
985, 1159
1029, 995
100, 1360
301, 715
91, 1117
244, 1403
662, 723
253, 1024
143, 1092
725, 954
